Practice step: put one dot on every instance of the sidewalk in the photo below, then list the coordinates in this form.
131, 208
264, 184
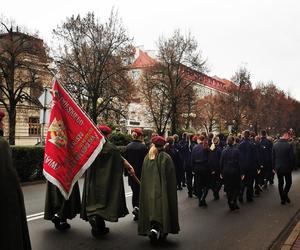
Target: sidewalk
293, 241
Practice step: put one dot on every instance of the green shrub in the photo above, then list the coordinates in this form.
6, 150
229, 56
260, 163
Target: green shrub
28, 162
120, 139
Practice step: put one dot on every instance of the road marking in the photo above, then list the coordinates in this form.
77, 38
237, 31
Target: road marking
40, 215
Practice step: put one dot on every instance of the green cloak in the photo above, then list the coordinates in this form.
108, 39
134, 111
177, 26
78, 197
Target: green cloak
158, 195
56, 204
103, 191
14, 231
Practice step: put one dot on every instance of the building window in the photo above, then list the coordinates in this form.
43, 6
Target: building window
34, 126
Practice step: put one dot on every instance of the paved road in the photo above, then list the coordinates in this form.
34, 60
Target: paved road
255, 226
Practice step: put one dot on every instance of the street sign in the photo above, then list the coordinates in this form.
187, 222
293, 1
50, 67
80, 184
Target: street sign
46, 98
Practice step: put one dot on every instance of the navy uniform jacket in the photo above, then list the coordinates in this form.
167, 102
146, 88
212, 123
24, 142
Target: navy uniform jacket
229, 162
248, 157
214, 159
283, 157
199, 158
267, 147
135, 154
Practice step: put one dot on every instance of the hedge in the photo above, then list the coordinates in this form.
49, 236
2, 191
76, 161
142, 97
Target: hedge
28, 161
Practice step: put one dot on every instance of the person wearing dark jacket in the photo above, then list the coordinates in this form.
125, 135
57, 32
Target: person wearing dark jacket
14, 234
173, 152
248, 164
267, 170
199, 159
135, 153
214, 165
187, 153
231, 173
283, 163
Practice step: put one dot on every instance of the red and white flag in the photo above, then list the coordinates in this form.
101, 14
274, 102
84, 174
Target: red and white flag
72, 143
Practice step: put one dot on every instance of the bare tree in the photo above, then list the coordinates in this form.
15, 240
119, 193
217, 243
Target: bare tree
92, 59
23, 59
179, 58
155, 94
206, 113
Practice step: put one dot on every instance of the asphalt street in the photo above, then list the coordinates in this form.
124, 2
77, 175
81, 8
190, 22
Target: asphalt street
255, 226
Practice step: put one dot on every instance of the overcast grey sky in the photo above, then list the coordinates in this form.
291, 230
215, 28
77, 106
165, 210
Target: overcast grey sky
263, 35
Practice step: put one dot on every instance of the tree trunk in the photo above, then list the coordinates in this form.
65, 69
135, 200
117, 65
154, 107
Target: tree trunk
174, 120
12, 124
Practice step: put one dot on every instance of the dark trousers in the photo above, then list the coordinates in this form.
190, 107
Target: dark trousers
179, 174
215, 184
189, 180
202, 180
247, 183
135, 194
284, 189
232, 184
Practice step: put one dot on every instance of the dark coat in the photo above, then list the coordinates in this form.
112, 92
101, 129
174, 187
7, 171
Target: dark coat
214, 160
158, 195
135, 153
283, 157
248, 157
187, 155
229, 162
56, 204
199, 159
267, 147
103, 191
14, 230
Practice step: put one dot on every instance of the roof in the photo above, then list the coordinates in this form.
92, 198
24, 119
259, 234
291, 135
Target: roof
143, 61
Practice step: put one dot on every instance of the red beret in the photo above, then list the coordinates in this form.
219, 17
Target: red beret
158, 140
139, 131
104, 129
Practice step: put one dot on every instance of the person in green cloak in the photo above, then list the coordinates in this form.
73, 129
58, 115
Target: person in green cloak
58, 209
158, 214
14, 234
103, 192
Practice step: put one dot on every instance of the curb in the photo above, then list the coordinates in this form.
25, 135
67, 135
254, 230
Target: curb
288, 244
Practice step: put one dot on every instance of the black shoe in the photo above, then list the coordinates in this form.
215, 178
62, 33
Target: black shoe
236, 206
249, 199
154, 235
179, 188
204, 203
190, 195
60, 225
282, 202
200, 204
241, 200
101, 232
271, 182
287, 199
257, 192
183, 185
135, 213
216, 197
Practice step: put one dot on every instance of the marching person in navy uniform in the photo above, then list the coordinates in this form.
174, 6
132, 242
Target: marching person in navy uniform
231, 172
135, 153
283, 163
248, 164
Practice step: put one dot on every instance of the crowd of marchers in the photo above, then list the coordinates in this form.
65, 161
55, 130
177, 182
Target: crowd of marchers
155, 173
244, 164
